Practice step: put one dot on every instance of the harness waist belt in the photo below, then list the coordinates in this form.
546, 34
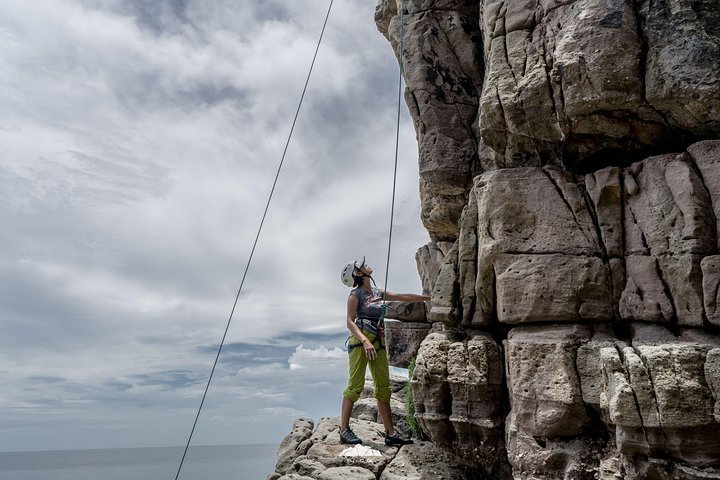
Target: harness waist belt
369, 324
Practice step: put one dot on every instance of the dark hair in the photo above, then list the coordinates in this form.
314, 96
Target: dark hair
358, 280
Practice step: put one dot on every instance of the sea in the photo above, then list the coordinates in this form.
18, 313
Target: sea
227, 462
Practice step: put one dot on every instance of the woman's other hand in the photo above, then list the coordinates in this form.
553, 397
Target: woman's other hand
370, 352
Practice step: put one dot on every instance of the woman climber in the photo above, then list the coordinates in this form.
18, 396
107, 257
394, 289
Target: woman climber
365, 314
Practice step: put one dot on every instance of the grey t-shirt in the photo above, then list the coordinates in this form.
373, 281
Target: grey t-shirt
369, 304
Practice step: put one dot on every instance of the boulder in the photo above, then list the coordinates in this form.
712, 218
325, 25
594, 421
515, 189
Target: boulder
294, 444
326, 447
346, 473
425, 460
402, 340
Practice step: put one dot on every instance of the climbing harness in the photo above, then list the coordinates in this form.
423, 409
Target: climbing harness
373, 327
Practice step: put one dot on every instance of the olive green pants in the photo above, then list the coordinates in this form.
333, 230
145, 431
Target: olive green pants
379, 369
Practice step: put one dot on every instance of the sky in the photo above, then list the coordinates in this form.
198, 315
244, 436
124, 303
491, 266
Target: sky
138, 144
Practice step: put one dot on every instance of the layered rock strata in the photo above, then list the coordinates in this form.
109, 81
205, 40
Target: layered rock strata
570, 183
525, 83
574, 331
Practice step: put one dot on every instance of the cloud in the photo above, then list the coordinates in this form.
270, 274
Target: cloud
320, 358
138, 144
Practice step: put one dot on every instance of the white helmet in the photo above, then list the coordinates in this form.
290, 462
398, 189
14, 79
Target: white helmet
347, 276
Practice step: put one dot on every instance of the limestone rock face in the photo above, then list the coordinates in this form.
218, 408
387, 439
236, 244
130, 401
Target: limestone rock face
457, 387
570, 183
543, 381
509, 83
591, 301
442, 64
658, 397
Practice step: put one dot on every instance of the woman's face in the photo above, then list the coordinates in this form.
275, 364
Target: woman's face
366, 269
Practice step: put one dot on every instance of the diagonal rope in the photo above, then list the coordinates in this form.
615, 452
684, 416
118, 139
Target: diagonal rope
397, 142
257, 237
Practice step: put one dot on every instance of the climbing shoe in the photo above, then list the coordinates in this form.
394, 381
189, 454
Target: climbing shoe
349, 437
396, 439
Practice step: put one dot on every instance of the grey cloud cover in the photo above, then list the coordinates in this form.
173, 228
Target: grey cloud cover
138, 142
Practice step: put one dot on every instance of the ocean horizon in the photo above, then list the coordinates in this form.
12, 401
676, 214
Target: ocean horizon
206, 462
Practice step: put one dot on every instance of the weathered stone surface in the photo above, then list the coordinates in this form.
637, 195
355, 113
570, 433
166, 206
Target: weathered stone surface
474, 374
445, 294
457, 386
657, 396
501, 89
294, 444
629, 244
366, 408
529, 212
683, 63
536, 458
588, 356
346, 473
604, 189
406, 311
425, 460
545, 373
430, 389
710, 267
467, 263
429, 258
543, 381
664, 290
668, 207
706, 156
306, 466
442, 97
559, 86
295, 476
560, 288
402, 341
712, 374
645, 295
683, 275
326, 446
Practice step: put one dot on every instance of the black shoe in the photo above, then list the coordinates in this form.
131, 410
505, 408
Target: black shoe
396, 439
349, 437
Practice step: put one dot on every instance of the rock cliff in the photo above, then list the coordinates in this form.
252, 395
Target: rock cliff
570, 183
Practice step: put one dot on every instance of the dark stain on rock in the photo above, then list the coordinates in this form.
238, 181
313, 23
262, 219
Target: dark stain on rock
612, 20
431, 75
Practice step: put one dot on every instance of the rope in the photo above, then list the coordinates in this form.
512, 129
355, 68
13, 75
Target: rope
397, 144
257, 236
